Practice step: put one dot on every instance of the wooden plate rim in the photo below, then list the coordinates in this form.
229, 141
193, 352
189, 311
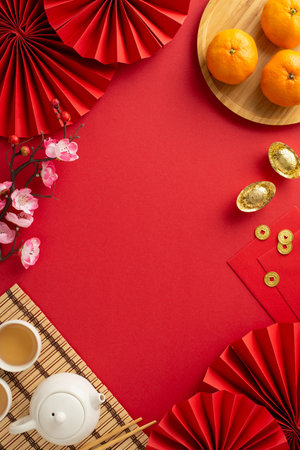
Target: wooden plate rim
225, 100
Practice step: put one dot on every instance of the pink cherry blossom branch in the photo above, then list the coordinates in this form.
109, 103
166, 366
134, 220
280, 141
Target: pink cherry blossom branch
22, 201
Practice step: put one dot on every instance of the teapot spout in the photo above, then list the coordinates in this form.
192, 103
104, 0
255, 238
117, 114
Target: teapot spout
102, 398
97, 399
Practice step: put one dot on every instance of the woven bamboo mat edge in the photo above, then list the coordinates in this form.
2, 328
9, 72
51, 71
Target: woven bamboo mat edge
16, 304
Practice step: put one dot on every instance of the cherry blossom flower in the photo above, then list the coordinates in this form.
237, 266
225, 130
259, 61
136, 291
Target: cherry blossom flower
7, 235
24, 201
50, 141
29, 252
48, 173
64, 150
5, 187
2, 204
22, 219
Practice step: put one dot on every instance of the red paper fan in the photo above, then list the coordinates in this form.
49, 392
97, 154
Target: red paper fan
219, 421
265, 366
35, 66
116, 30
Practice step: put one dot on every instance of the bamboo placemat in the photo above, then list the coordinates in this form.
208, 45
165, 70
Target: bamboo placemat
56, 356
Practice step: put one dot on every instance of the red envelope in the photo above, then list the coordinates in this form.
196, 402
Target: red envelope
277, 302
287, 267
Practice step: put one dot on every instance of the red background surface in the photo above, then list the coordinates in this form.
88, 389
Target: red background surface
133, 256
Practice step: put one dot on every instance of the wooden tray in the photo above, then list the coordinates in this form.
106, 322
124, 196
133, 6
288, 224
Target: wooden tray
245, 99
56, 356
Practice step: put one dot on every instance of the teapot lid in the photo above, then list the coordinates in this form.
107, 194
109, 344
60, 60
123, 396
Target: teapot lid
61, 415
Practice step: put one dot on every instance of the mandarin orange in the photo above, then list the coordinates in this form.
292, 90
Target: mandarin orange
280, 81
280, 21
232, 56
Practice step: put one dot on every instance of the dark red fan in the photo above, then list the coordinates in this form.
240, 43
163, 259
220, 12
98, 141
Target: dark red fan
219, 421
116, 30
35, 66
265, 366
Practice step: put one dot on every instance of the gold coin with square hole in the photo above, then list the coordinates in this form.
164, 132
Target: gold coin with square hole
284, 249
262, 232
285, 236
271, 279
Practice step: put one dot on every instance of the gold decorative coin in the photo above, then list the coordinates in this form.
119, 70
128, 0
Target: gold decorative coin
284, 249
255, 196
284, 160
285, 236
262, 232
271, 279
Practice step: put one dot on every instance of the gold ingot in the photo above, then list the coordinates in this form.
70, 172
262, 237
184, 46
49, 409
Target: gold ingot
284, 160
285, 236
255, 196
271, 279
262, 232
284, 249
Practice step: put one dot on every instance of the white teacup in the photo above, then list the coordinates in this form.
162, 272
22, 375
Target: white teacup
20, 345
5, 398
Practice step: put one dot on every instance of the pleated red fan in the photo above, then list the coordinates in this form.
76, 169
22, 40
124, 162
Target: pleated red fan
265, 366
219, 421
116, 30
35, 66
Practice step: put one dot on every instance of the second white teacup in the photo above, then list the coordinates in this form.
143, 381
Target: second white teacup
5, 398
20, 345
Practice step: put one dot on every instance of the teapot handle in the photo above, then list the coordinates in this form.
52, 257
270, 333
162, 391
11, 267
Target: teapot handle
22, 425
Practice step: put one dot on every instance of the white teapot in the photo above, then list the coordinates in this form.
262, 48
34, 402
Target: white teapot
64, 409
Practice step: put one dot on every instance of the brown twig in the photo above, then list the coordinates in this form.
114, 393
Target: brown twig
36, 170
71, 138
12, 250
